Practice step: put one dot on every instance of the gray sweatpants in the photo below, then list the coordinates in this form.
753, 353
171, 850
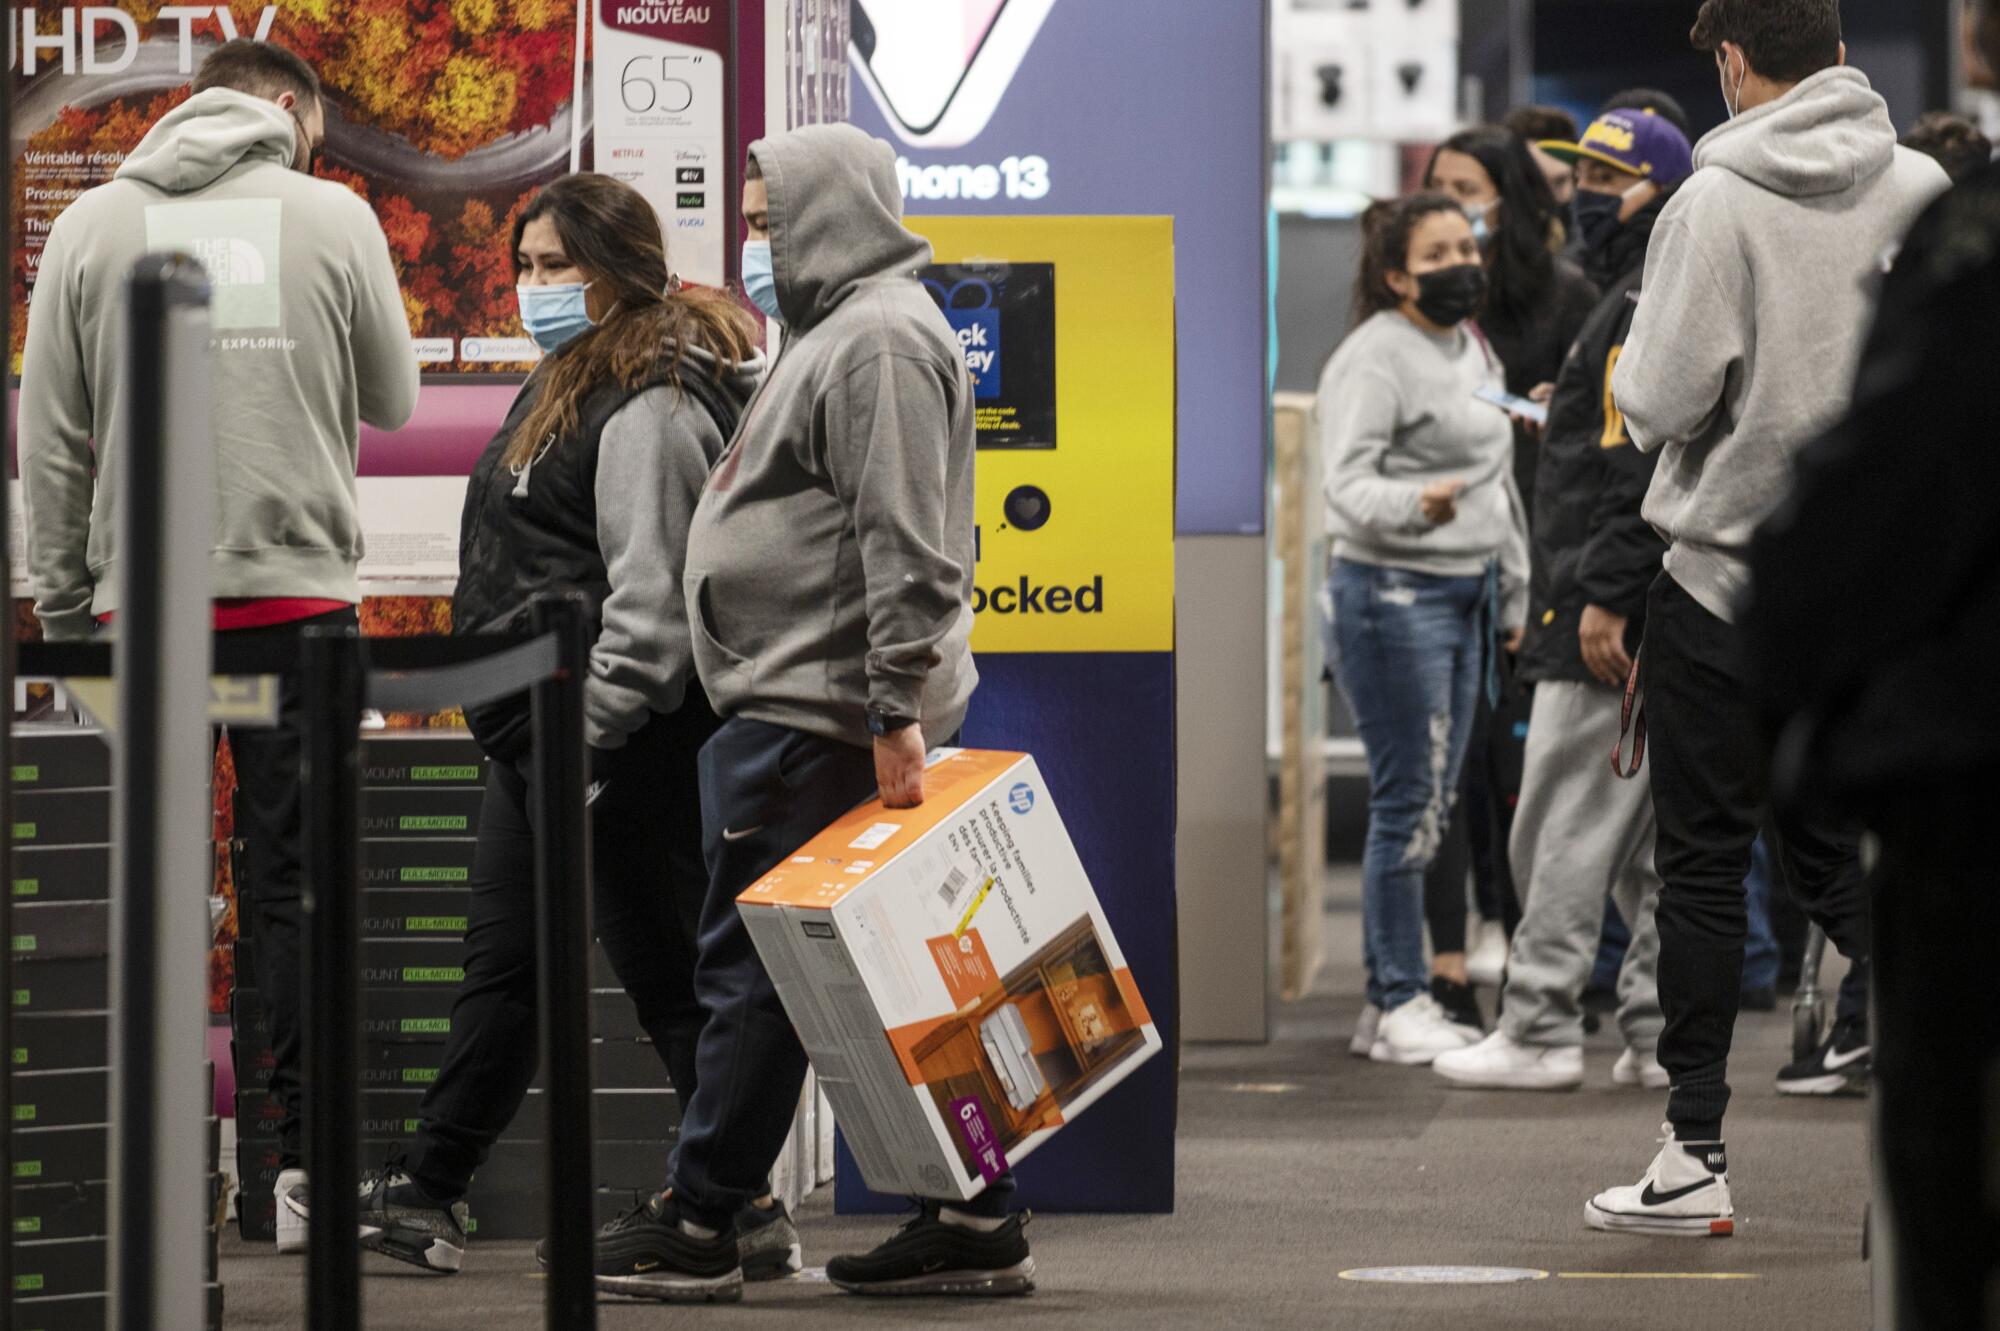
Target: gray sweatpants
1580, 835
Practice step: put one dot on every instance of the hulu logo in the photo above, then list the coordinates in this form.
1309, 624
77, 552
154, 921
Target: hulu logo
440, 875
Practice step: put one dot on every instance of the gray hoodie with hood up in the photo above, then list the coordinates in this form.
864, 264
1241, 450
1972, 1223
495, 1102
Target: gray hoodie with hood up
309, 337
829, 567
1758, 291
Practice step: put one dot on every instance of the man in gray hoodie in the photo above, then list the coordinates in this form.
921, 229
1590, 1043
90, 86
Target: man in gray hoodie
1758, 288
829, 591
310, 337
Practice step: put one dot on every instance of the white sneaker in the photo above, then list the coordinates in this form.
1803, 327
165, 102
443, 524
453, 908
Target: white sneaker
1416, 1033
291, 1225
1500, 1063
1486, 964
1636, 1069
1365, 1028
1684, 1194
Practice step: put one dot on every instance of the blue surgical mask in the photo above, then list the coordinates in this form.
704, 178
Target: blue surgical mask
760, 280
555, 316
1482, 221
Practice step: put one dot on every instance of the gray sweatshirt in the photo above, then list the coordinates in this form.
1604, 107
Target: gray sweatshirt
830, 564
310, 338
652, 461
1759, 289
1396, 412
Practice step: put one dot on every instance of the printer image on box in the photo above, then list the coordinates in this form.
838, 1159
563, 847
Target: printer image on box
951, 975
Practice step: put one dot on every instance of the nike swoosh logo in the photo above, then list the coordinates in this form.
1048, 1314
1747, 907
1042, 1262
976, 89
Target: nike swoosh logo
1650, 1197
744, 835
644, 1266
1835, 1060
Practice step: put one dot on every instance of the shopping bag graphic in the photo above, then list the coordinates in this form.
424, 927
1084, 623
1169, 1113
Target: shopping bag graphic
970, 309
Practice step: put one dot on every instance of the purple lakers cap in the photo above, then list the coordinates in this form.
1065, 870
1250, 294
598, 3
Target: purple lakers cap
1642, 142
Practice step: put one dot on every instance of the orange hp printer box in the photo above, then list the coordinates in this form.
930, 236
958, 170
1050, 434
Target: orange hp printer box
951, 975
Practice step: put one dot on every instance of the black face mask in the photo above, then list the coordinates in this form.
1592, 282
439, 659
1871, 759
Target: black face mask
1597, 220
1450, 296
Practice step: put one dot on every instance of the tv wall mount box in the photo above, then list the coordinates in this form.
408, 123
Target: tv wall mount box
951, 975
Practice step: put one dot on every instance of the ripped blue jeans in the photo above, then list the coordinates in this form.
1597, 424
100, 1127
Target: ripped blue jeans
1409, 652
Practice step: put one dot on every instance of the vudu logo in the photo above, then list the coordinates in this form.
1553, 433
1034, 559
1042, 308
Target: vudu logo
978, 329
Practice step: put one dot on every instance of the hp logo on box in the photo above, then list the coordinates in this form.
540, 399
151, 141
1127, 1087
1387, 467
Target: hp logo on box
1021, 797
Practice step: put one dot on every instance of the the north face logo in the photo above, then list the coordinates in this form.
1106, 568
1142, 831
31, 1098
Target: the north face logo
231, 262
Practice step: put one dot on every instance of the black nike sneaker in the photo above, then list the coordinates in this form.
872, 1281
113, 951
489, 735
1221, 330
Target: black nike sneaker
401, 1220
1840, 1066
1460, 1004
767, 1242
927, 1256
645, 1254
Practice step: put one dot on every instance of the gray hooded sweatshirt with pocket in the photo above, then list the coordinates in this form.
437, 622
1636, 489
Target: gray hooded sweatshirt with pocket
309, 338
829, 567
1759, 289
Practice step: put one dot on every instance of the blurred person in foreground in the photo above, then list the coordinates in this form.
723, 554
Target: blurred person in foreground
1873, 636
1954, 141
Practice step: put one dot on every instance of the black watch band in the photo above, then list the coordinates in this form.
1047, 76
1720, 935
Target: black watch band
881, 723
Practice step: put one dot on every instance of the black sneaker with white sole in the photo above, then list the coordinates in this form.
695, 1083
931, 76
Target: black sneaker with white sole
1840, 1066
928, 1256
767, 1243
646, 1253
401, 1220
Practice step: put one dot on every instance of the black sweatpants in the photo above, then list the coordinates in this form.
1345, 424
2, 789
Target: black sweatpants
268, 823
1937, 1057
648, 886
1710, 779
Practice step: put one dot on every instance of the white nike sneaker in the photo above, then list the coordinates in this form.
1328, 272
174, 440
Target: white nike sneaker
1486, 963
1636, 1069
1500, 1063
292, 1226
1416, 1033
1684, 1194
1365, 1028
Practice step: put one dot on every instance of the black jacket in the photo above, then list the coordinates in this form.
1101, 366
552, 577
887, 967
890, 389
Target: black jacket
517, 541
1590, 546
1874, 622
1533, 349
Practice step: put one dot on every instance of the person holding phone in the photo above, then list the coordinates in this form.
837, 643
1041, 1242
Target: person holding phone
1430, 568
589, 486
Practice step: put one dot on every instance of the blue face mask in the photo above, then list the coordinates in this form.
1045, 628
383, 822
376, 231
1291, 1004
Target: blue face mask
1482, 222
555, 316
760, 281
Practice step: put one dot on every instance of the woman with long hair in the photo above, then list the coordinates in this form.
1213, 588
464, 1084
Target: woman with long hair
1536, 306
588, 487
1430, 572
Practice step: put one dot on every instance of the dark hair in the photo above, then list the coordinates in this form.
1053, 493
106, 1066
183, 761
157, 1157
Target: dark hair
1520, 265
1662, 104
1535, 124
1953, 140
1786, 40
1386, 231
1986, 33
752, 168
608, 229
262, 69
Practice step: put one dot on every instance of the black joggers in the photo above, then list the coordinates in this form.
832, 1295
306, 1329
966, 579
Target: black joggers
268, 895
649, 883
1710, 791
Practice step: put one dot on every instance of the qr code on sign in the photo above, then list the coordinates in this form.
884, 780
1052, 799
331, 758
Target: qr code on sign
954, 887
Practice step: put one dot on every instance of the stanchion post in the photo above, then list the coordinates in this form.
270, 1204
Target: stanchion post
333, 684
562, 888
162, 467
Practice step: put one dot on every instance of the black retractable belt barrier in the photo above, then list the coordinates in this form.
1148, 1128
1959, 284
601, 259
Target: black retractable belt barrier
333, 682
562, 889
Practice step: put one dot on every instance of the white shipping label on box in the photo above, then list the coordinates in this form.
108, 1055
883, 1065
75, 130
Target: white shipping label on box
952, 976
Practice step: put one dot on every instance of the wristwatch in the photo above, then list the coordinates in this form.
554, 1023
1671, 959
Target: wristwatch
882, 724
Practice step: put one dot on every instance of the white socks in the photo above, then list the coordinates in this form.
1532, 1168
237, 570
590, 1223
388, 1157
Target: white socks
978, 1224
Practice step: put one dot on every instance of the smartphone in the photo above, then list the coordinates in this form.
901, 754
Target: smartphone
1519, 406
938, 68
